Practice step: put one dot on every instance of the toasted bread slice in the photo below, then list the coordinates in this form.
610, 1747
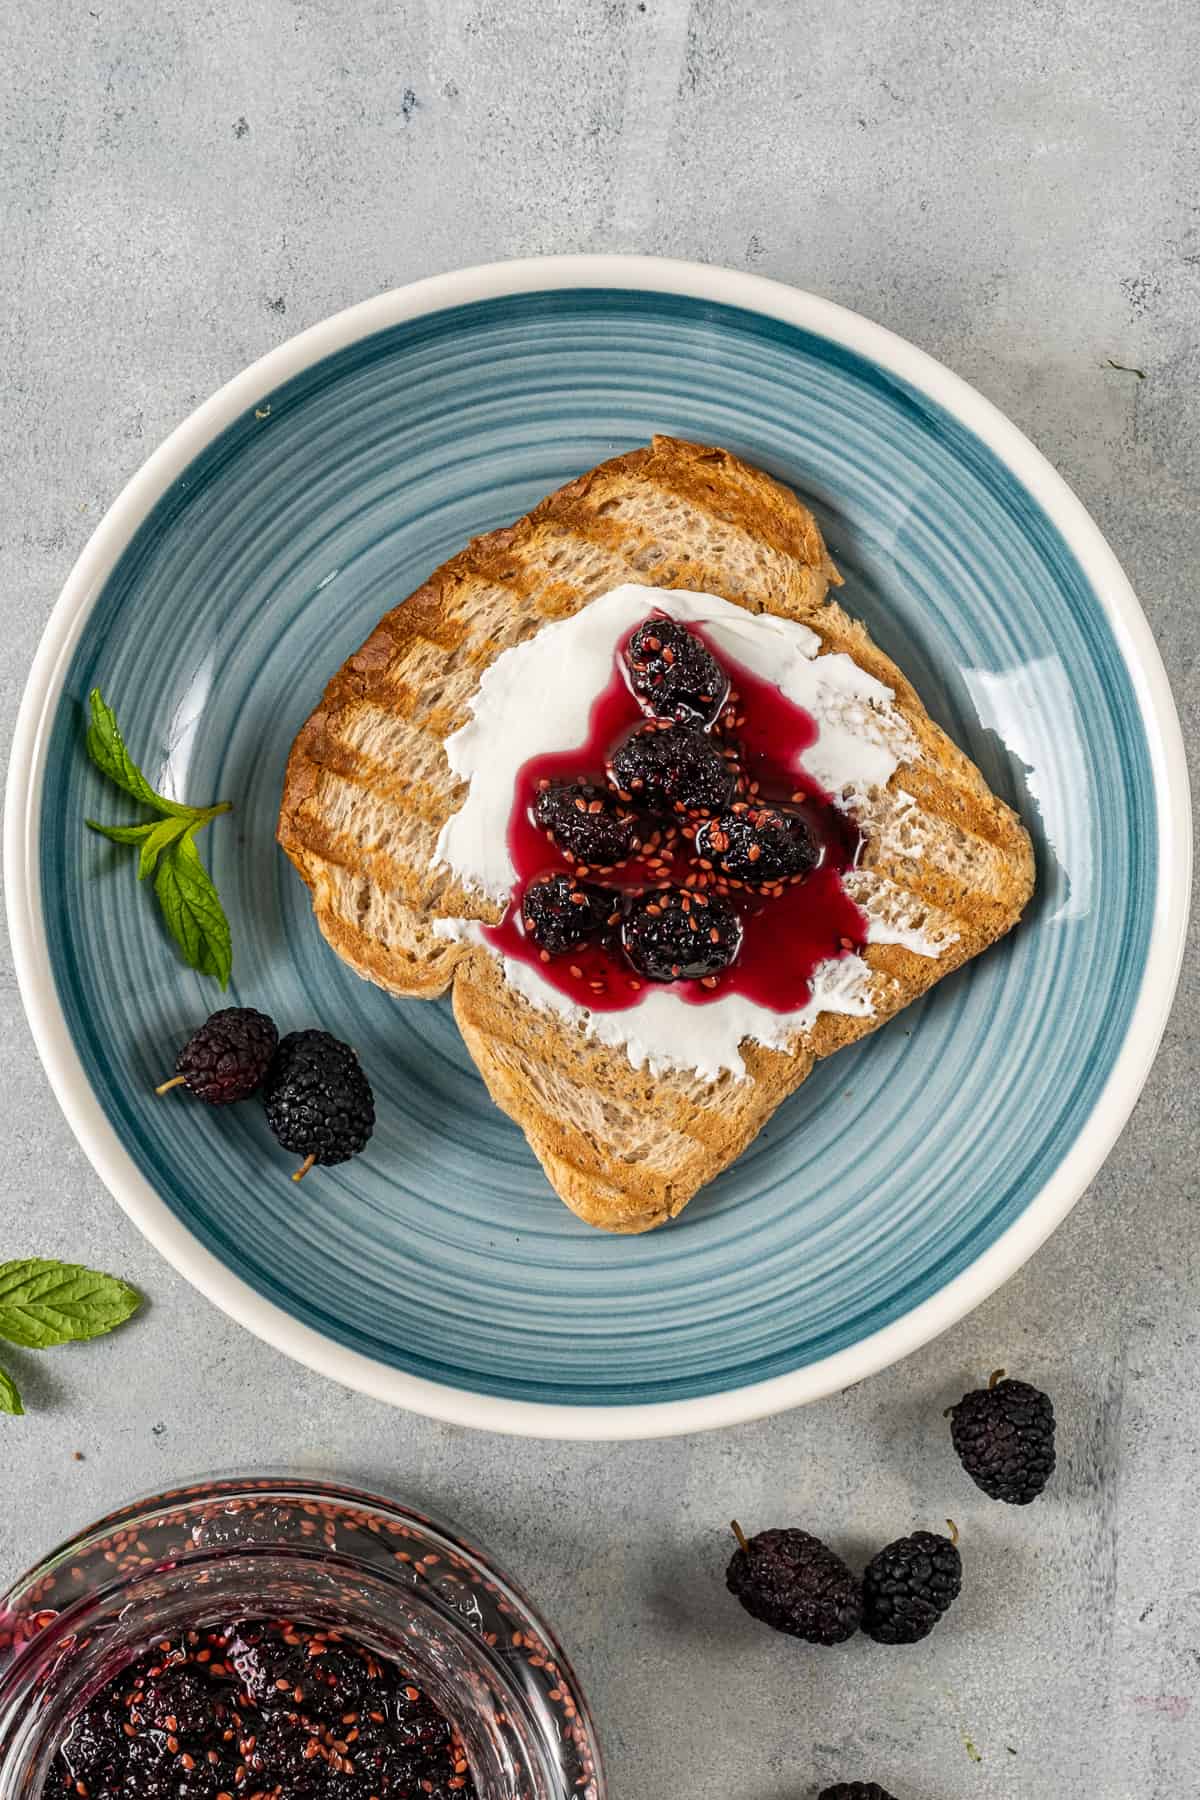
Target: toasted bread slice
368, 790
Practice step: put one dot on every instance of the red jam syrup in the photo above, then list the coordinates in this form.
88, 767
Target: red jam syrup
786, 934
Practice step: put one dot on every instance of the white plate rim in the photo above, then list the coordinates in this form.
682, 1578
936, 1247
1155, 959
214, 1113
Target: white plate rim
828, 1375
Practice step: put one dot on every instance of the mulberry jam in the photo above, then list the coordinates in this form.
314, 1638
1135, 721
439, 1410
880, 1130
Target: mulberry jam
788, 929
260, 1710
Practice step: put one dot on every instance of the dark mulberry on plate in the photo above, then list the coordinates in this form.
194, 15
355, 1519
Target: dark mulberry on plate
758, 845
226, 1058
673, 934
674, 673
672, 768
589, 824
318, 1101
561, 912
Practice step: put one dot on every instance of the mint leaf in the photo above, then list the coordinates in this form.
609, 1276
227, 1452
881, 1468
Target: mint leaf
10, 1400
194, 914
122, 834
106, 747
188, 899
43, 1303
160, 836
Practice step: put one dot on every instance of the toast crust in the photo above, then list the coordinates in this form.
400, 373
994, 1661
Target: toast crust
368, 789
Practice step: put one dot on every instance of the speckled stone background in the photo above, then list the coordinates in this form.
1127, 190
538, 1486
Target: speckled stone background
1016, 187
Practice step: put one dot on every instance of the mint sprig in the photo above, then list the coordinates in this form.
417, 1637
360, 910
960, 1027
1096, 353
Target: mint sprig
166, 849
192, 909
45, 1303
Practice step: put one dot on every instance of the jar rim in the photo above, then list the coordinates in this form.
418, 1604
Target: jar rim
116, 1555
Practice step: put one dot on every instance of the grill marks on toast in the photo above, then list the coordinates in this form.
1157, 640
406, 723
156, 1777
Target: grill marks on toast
594, 1137
368, 789
603, 1141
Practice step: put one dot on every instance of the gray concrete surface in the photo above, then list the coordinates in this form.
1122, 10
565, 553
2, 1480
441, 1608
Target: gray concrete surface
1017, 187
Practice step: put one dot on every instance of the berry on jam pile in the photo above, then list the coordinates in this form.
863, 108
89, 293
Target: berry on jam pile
269, 1671
560, 913
279, 1757
672, 934
758, 845
176, 1701
325, 1679
389, 1768
672, 768
589, 824
674, 673
342, 1680
419, 1725
91, 1749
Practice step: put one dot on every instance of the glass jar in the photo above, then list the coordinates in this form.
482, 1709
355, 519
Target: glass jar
322, 1555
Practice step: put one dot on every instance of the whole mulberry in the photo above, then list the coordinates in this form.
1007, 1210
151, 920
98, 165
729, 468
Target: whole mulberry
676, 675
794, 1583
672, 934
672, 768
226, 1058
908, 1587
588, 824
760, 845
855, 1790
317, 1099
1004, 1436
560, 913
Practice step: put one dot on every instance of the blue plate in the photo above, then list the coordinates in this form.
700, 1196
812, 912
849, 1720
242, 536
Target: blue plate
909, 1175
